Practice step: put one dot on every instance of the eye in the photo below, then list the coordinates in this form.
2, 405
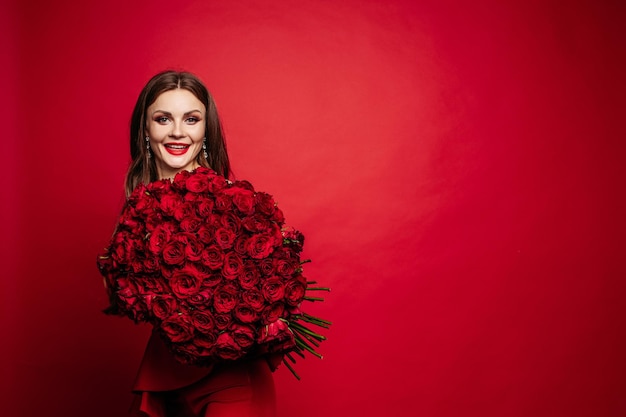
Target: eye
192, 120
161, 119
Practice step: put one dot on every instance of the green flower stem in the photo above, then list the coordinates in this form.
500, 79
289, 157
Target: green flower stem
316, 320
318, 289
313, 298
316, 323
300, 342
302, 329
311, 340
291, 369
298, 351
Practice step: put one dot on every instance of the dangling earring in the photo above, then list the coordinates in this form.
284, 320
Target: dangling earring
148, 147
206, 155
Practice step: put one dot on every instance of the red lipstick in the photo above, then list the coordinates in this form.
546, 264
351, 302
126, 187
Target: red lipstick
176, 149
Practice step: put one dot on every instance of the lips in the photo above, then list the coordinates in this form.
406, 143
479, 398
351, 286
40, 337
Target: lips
176, 148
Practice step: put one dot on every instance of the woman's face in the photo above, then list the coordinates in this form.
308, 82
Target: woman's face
175, 125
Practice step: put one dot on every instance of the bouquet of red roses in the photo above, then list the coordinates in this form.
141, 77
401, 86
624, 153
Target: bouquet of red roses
211, 264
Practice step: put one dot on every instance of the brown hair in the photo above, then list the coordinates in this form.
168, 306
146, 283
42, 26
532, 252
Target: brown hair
143, 169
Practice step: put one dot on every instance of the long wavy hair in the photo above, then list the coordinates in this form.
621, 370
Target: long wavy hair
143, 169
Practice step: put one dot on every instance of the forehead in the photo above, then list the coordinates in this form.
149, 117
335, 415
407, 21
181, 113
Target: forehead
178, 100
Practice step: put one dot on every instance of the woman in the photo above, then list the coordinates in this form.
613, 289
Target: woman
175, 127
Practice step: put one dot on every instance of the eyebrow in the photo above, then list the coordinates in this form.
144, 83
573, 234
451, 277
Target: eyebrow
169, 114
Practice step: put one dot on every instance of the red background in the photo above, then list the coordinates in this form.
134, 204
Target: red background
457, 168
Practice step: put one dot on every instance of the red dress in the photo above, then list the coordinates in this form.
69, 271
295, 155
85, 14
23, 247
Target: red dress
167, 388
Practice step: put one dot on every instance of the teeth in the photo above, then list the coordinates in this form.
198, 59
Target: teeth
177, 146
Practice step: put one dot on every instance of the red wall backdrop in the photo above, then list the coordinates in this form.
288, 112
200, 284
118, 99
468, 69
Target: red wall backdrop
457, 168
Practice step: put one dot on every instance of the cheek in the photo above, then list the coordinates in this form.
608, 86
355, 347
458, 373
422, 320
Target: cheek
154, 131
199, 133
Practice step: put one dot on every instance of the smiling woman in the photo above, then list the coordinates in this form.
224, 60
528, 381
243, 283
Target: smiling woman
176, 135
176, 132
174, 117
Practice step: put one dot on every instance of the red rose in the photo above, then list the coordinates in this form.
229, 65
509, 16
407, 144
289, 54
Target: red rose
156, 189
130, 218
159, 237
294, 290
193, 198
254, 299
138, 192
194, 250
197, 183
155, 220
293, 238
239, 245
127, 292
190, 353
177, 328
223, 202
149, 285
201, 298
137, 264
164, 306
212, 280
169, 203
206, 234
264, 203
117, 250
272, 313
273, 289
205, 207
183, 210
133, 247
225, 237
233, 266
246, 314
243, 199
144, 204
246, 185
205, 341
276, 337
243, 335
230, 221
185, 282
174, 253
216, 183
266, 266
225, 298
151, 264
202, 321
186, 353
213, 257
256, 223
285, 267
180, 180
222, 321
278, 216
191, 223
227, 348
249, 277
261, 245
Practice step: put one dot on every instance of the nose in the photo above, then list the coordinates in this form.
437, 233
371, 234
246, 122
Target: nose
177, 130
